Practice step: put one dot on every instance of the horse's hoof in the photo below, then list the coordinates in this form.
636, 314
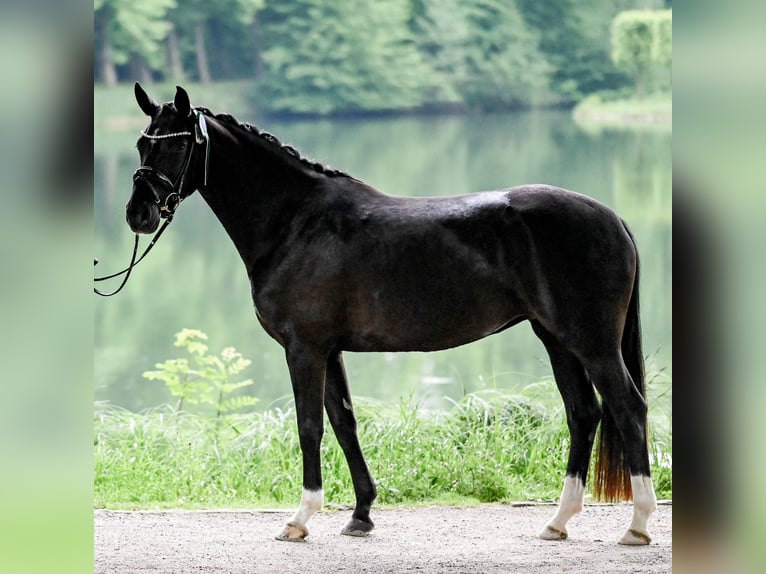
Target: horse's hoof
551, 533
292, 533
635, 538
357, 528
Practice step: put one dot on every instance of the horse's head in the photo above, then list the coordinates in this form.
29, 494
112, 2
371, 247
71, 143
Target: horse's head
173, 152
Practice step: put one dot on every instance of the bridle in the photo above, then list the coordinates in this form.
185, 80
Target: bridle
173, 198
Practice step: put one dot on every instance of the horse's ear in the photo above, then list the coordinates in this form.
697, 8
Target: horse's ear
147, 105
183, 106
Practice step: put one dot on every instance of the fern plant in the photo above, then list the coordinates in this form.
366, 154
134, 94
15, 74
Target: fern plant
201, 378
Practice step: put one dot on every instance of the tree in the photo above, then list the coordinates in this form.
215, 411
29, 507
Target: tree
225, 25
574, 37
482, 53
104, 56
503, 62
322, 57
130, 29
662, 49
440, 32
233, 31
190, 21
175, 68
642, 45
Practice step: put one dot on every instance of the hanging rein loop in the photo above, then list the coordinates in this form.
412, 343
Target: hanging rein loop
172, 199
133, 261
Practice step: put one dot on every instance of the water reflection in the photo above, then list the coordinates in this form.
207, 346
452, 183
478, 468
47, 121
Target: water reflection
195, 279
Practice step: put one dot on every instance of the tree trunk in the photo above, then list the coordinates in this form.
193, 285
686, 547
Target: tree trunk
106, 67
224, 66
175, 65
140, 70
199, 46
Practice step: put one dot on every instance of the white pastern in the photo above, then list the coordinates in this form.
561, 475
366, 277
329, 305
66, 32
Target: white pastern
644, 504
295, 530
572, 497
311, 502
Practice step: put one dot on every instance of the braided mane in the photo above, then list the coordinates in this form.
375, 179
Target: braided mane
274, 142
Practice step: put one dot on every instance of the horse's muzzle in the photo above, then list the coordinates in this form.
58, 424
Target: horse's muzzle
142, 212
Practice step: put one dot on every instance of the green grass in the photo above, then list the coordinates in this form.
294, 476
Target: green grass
490, 446
618, 109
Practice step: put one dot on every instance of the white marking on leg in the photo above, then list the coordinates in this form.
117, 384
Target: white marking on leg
347, 405
311, 502
295, 529
644, 504
572, 497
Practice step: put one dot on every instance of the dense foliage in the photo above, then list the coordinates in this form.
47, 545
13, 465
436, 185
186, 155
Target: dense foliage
320, 57
324, 57
642, 47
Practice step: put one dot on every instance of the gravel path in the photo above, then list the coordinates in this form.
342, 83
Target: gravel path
491, 538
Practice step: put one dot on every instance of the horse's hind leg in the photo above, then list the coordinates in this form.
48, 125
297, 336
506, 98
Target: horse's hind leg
627, 408
583, 414
341, 415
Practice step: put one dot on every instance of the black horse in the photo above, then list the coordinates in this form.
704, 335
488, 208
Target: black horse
336, 265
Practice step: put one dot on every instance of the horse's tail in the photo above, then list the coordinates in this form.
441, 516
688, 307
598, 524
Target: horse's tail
612, 475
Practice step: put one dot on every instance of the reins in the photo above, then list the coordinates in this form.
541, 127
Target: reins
172, 200
133, 261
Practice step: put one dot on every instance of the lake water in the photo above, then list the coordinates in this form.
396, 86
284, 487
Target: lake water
194, 277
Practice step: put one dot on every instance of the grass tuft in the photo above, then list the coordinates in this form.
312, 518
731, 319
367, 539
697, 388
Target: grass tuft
490, 446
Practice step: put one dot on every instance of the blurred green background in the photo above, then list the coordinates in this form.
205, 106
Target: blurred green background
318, 57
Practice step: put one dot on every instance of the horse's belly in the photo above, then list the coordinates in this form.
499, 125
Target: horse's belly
416, 338
429, 317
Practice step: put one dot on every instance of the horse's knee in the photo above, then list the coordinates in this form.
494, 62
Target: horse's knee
310, 434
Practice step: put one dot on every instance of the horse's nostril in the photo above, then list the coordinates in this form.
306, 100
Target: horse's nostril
142, 218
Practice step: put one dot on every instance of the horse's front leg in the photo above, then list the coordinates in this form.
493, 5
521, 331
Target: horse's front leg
341, 414
307, 373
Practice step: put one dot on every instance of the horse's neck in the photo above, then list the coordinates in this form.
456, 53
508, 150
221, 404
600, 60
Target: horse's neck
253, 193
